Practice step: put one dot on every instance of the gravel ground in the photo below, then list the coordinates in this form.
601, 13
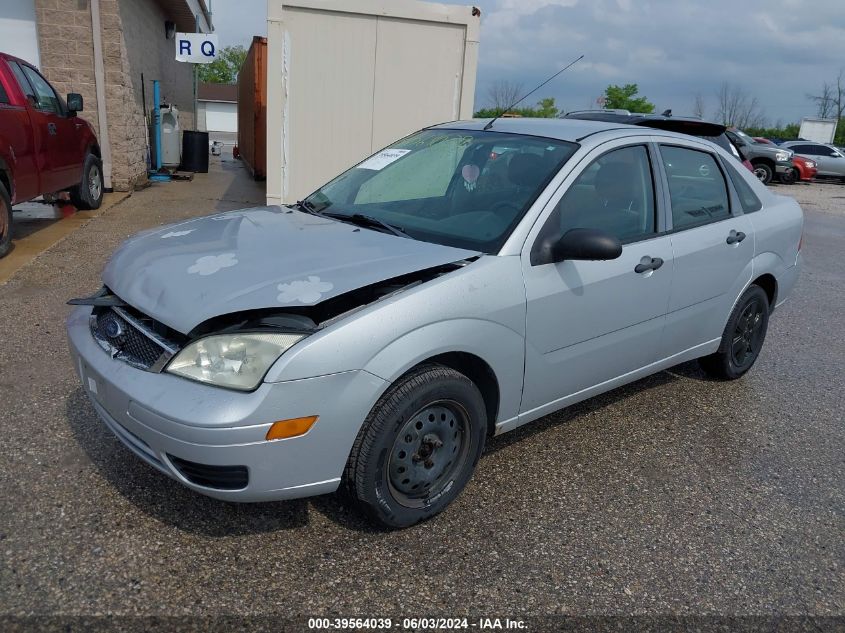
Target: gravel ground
676, 495
824, 196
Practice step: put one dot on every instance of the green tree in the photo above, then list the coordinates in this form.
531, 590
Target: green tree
224, 69
626, 98
545, 109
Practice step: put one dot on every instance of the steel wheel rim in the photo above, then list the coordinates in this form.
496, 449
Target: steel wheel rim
432, 446
747, 334
95, 184
761, 174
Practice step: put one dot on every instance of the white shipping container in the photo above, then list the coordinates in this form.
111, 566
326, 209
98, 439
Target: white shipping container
818, 130
347, 77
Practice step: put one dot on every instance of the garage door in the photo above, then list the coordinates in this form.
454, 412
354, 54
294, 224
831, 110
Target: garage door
18, 32
221, 117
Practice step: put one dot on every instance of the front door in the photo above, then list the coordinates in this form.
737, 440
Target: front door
63, 162
589, 322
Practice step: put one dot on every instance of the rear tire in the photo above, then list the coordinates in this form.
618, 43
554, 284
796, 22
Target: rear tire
743, 337
5, 221
418, 447
763, 172
88, 194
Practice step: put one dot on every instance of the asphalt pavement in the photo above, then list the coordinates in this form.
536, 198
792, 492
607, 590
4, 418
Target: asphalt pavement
674, 495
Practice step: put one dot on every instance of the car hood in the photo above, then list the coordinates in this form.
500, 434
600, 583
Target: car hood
184, 274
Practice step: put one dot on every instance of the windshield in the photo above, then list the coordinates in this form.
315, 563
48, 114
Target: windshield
460, 188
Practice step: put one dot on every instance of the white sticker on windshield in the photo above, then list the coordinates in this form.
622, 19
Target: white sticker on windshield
383, 159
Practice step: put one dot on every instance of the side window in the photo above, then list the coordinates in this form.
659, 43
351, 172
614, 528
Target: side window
615, 194
48, 101
811, 150
697, 187
749, 200
4, 98
23, 82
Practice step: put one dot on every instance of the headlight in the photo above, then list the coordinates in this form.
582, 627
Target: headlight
810, 163
782, 157
237, 361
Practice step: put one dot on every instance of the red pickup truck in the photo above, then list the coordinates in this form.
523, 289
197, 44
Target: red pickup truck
45, 148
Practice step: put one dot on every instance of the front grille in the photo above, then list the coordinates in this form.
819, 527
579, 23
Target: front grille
220, 477
127, 339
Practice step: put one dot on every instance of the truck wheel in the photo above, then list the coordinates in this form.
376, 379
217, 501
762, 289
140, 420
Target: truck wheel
88, 194
5, 221
743, 337
418, 447
763, 172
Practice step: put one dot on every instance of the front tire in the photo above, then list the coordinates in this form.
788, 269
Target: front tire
418, 447
790, 177
763, 172
88, 194
743, 337
5, 221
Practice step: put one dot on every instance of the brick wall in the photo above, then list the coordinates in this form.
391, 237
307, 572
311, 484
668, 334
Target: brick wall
67, 50
133, 43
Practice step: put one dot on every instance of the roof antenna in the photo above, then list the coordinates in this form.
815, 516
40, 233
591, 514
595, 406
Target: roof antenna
521, 99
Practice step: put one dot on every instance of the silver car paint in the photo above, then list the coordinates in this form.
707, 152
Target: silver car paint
577, 328
825, 165
265, 257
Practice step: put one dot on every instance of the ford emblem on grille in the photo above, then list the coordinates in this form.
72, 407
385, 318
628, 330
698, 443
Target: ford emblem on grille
113, 328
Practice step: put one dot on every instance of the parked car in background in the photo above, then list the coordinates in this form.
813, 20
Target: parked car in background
375, 334
45, 148
805, 168
768, 160
713, 132
830, 161
764, 140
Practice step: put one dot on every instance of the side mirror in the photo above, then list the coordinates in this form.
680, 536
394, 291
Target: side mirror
581, 244
74, 102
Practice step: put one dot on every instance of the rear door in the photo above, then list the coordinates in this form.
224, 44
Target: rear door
64, 155
589, 322
712, 242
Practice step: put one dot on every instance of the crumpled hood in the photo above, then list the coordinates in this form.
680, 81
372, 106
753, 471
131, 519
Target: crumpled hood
187, 273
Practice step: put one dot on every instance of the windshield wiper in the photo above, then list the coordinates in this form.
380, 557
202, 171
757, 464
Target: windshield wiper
307, 206
367, 221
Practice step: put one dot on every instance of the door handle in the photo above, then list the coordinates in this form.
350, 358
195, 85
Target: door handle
51, 129
734, 237
648, 263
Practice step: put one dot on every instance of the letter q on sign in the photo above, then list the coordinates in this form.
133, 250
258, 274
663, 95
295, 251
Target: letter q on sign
196, 48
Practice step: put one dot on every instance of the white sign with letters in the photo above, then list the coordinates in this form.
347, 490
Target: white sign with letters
197, 48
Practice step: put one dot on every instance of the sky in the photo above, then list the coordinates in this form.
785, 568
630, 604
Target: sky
777, 50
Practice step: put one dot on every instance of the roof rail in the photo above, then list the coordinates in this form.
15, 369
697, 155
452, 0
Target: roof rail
608, 110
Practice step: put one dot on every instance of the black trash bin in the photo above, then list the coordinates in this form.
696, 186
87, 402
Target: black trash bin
195, 152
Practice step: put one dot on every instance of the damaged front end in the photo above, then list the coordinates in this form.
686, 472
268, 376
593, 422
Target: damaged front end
235, 350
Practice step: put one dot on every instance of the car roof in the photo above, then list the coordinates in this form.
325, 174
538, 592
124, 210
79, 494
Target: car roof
572, 130
800, 142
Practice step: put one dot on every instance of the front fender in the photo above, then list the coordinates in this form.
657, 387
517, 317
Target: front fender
500, 347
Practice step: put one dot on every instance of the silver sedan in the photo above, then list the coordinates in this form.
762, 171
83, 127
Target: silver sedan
830, 160
466, 280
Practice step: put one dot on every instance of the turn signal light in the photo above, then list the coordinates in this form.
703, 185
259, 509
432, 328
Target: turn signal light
291, 428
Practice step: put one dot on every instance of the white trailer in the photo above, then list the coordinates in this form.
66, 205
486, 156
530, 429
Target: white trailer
347, 77
818, 130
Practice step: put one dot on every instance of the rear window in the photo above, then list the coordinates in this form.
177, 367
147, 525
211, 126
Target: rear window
747, 198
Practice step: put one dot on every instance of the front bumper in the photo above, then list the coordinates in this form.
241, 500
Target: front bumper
782, 168
160, 417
